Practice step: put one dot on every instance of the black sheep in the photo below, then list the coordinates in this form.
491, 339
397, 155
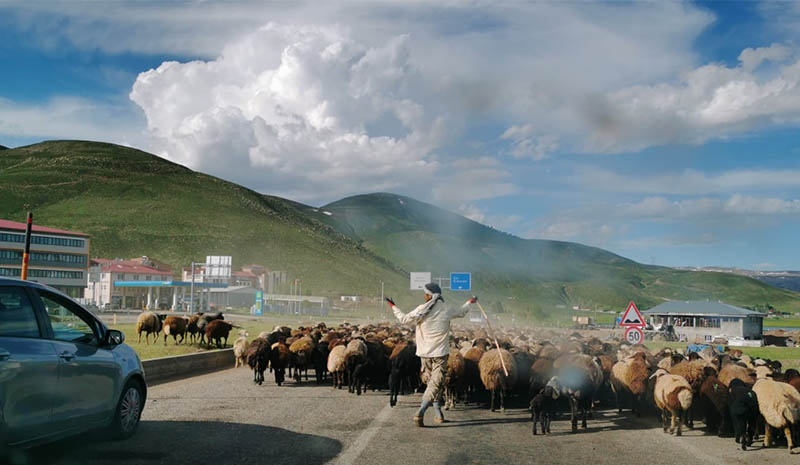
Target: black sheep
744, 411
543, 408
404, 372
257, 357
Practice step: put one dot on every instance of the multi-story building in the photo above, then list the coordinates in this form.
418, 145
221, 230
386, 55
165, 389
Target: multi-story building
102, 291
58, 258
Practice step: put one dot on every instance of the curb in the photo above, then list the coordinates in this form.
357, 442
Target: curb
162, 370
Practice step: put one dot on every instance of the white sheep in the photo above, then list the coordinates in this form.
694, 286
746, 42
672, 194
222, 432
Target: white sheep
672, 394
779, 404
337, 365
240, 348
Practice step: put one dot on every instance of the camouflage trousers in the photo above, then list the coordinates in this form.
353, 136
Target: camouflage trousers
434, 370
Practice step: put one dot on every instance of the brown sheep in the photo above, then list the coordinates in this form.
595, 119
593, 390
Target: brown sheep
494, 377
192, 329
301, 351
217, 331
148, 323
730, 371
672, 394
278, 361
541, 372
779, 404
175, 326
336, 365
714, 402
694, 372
629, 378
454, 380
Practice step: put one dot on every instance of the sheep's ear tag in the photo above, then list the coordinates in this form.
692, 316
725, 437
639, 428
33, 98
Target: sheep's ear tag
716, 387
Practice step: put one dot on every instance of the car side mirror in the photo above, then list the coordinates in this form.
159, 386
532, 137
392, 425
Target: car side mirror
115, 337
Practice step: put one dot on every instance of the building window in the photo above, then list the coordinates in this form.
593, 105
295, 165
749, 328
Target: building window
148, 278
12, 272
135, 277
56, 274
43, 240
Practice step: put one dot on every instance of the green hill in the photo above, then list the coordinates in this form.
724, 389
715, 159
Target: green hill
422, 237
134, 203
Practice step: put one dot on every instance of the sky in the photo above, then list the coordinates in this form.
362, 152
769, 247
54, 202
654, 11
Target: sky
666, 132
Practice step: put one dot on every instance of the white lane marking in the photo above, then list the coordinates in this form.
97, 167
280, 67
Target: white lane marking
355, 449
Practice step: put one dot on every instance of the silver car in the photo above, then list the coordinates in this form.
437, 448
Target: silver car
62, 371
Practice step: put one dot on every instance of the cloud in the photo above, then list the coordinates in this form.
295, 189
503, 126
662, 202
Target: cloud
525, 144
710, 102
707, 208
764, 266
687, 182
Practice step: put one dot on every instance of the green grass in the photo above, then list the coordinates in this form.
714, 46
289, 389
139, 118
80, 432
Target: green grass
782, 322
133, 203
789, 356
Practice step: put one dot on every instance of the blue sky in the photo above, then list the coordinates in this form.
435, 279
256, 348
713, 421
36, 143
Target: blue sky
666, 132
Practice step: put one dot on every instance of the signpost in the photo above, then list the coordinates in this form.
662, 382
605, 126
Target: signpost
633, 323
419, 280
259, 303
460, 281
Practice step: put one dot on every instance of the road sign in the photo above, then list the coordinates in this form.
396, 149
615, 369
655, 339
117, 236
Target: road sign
634, 335
460, 281
419, 280
632, 317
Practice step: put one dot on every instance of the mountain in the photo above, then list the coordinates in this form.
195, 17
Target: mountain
421, 237
3, 147
133, 203
782, 279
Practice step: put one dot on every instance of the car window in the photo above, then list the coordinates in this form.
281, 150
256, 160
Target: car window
17, 318
68, 323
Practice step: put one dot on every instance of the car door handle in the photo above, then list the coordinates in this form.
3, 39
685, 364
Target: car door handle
66, 356
4, 355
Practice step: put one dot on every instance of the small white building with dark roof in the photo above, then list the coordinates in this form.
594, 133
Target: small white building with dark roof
707, 320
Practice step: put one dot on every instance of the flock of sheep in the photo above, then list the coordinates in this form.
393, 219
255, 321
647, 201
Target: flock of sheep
733, 393
205, 327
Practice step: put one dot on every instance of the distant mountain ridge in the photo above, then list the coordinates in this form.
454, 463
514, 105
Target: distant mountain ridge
786, 279
134, 203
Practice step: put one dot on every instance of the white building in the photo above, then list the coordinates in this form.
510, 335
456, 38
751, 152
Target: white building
102, 291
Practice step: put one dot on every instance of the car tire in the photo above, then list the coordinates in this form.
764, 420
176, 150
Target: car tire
129, 411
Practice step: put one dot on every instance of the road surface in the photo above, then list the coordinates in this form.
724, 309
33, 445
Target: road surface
223, 418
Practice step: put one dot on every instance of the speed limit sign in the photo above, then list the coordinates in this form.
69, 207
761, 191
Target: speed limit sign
634, 335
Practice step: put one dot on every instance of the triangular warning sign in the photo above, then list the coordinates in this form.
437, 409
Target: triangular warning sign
632, 317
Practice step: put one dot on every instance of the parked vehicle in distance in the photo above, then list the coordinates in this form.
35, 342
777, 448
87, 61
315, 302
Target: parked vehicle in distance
62, 371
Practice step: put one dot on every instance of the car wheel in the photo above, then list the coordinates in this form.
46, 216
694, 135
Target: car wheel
129, 411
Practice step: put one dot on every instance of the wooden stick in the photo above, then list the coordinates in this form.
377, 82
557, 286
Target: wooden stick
491, 335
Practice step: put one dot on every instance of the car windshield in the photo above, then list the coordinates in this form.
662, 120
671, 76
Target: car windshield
382, 231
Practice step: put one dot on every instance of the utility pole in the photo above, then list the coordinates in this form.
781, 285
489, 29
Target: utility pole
382, 306
191, 292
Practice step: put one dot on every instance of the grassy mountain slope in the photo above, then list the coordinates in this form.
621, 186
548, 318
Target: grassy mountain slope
421, 237
134, 203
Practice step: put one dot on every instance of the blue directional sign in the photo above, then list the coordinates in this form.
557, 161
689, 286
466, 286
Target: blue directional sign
460, 281
259, 310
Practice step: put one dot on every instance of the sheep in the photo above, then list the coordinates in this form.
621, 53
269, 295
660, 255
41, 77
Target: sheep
300, 356
278, 361
629, 377
404, 371
454, 380
203, 321
694, 372
147, 323
336, 366
257, 356
578, 377
524, 362
743, 408
779, 404
672, 394
355, 355
792, 377
541, 372
730, 371
374, 370
191, 327
714, 402
319, 360
472, 374
494, 378
175, 326
217, 331
543, 408
240, 348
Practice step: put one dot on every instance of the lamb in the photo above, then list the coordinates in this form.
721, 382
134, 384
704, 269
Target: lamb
578, 377
672, 394
453, 380
147, 323
217, 331
493, 376
240, 348
257, 357
404, 371
779, 404
336, 366
543, 408
629, 378
175, 326
743, 410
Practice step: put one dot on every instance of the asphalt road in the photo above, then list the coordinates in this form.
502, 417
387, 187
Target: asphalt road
223, 418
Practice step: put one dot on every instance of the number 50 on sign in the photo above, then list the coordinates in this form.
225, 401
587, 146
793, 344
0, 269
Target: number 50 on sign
634, 335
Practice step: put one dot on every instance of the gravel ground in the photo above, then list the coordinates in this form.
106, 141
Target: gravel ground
223, 418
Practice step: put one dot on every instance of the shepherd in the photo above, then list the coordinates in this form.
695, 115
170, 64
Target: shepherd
432, 320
